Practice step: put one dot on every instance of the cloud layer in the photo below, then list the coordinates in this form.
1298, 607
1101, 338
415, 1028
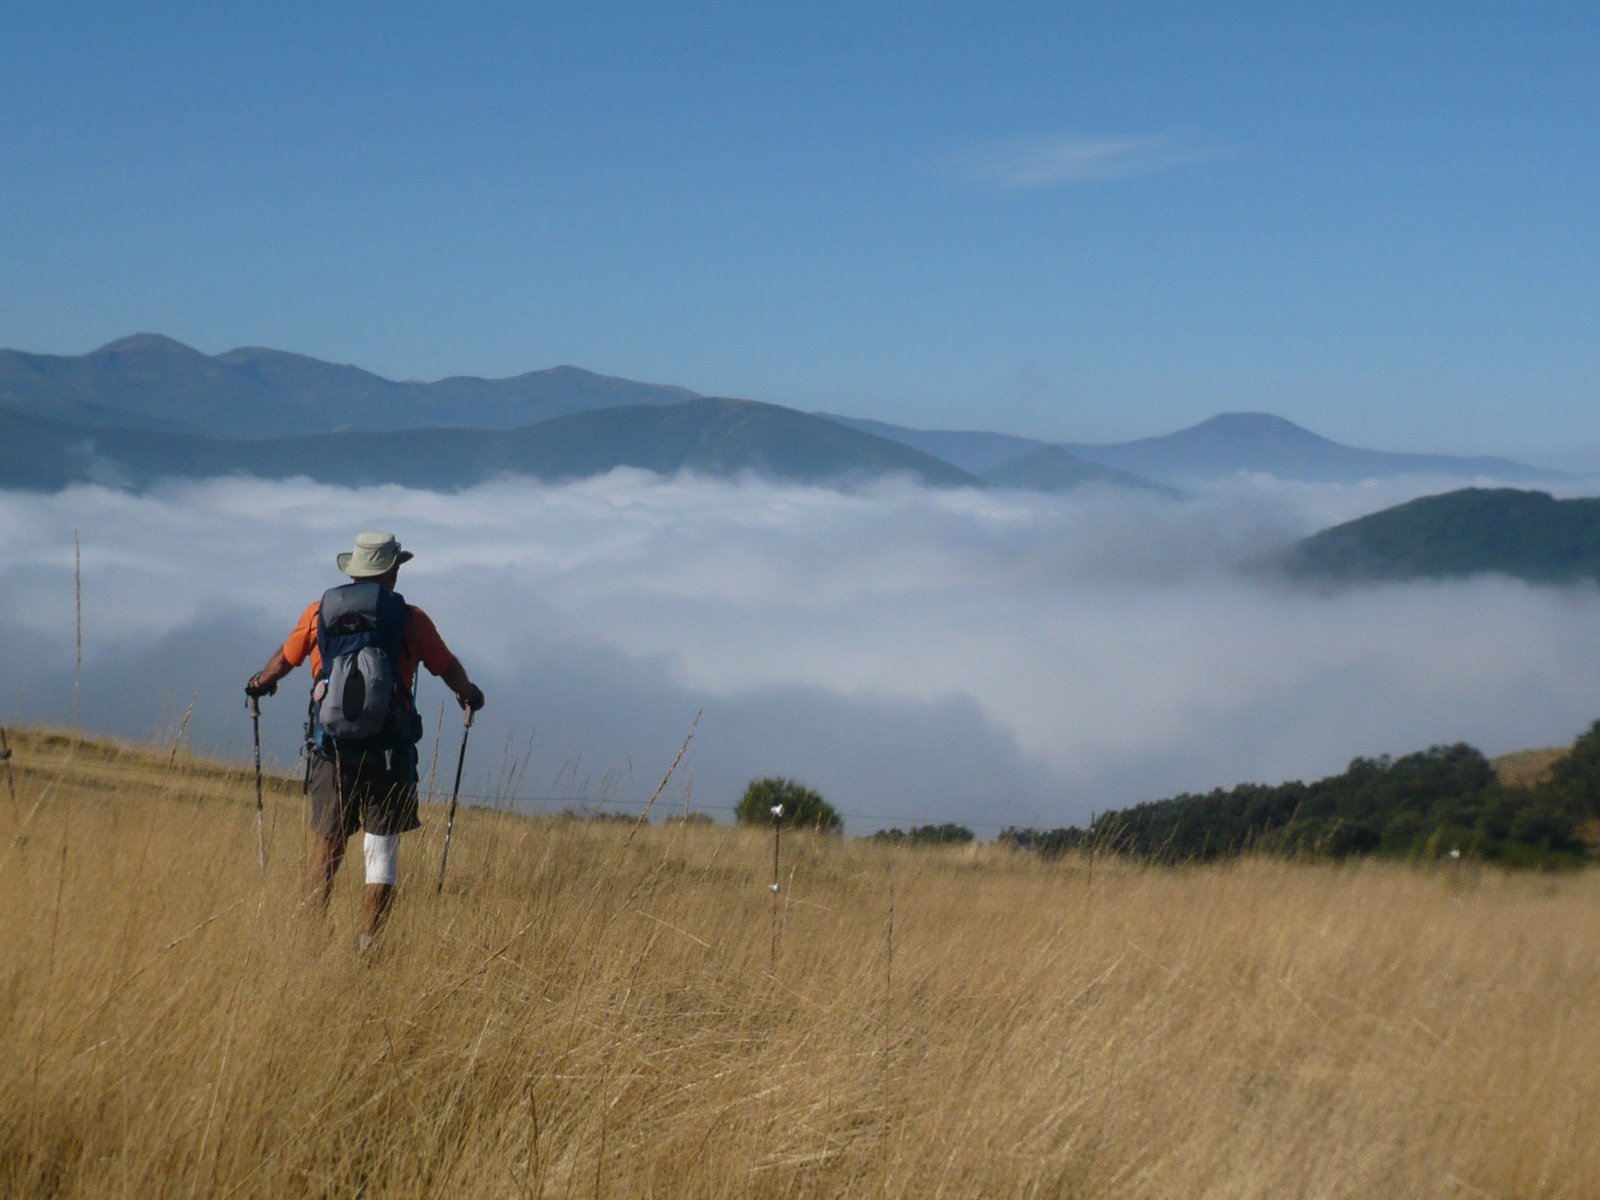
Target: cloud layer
1068, 161
991, 658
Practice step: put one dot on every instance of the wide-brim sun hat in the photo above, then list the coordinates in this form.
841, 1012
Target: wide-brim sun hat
375, 554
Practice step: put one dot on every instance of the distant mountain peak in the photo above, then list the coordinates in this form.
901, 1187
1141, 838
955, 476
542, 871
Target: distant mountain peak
1054, 454
144, 343
1242, 421
1262, 443
245, 352
1256, 427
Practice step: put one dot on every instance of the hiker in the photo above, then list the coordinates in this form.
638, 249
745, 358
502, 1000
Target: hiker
364, 642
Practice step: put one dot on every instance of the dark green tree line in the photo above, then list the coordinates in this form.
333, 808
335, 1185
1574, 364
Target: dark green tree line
1421, 805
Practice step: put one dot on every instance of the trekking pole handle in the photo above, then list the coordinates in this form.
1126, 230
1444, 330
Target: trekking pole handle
254, 704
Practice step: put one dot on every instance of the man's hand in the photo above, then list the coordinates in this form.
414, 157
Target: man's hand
256, 688
470, 696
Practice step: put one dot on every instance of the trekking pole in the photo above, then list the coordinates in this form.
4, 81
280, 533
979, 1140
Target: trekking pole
450, 822
261, 834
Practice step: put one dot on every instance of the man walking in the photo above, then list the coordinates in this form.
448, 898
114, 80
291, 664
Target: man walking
364, 642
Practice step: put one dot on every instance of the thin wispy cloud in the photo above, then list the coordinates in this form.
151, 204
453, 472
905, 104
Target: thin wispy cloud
1075, 160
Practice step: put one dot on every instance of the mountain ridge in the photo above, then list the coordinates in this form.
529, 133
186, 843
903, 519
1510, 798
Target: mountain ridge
1227, 444
707, 435
148, 380
151, 382
1231, 443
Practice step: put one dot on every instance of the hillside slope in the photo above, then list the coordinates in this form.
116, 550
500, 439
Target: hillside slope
972, 450
1526, 534
1052, 469
628, 1010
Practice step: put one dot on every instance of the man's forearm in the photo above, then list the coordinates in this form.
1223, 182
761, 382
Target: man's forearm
455, 678
277, 667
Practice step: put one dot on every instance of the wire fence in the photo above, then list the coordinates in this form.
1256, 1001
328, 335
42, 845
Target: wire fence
581, 804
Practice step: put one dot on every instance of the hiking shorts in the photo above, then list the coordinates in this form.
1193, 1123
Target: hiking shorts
364, 791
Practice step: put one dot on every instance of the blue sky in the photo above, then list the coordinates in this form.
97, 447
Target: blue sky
1064, 221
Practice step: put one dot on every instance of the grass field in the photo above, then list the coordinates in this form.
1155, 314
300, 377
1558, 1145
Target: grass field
591, 1009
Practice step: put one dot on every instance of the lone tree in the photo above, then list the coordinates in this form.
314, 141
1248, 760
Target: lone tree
802, 807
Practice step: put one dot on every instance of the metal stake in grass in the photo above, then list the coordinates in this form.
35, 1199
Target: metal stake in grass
777, 838
450, 823
261, 833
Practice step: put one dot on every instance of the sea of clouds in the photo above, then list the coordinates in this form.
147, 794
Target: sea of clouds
990, 658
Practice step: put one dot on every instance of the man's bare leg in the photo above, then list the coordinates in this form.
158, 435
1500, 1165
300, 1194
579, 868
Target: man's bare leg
326, 855
375, 901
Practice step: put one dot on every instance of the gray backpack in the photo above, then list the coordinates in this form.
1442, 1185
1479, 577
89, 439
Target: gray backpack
361, 631
361, 688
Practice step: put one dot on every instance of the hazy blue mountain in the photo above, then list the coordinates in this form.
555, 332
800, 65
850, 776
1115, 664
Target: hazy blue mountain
1260, 442
1503, 530
146, 381
1221, 446
971, 450
1052, 469
152, 382
711, 436
724, 437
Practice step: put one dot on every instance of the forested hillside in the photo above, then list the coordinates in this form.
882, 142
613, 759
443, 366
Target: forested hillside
1530, 535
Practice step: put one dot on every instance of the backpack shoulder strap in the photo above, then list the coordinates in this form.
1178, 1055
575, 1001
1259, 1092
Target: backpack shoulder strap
394, 622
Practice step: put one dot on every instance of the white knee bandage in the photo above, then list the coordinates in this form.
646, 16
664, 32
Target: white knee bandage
383, 857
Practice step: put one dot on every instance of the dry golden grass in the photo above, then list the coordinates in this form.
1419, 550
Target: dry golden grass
587, 1011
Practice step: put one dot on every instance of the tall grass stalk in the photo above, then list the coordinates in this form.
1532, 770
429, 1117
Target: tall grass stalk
183, 729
